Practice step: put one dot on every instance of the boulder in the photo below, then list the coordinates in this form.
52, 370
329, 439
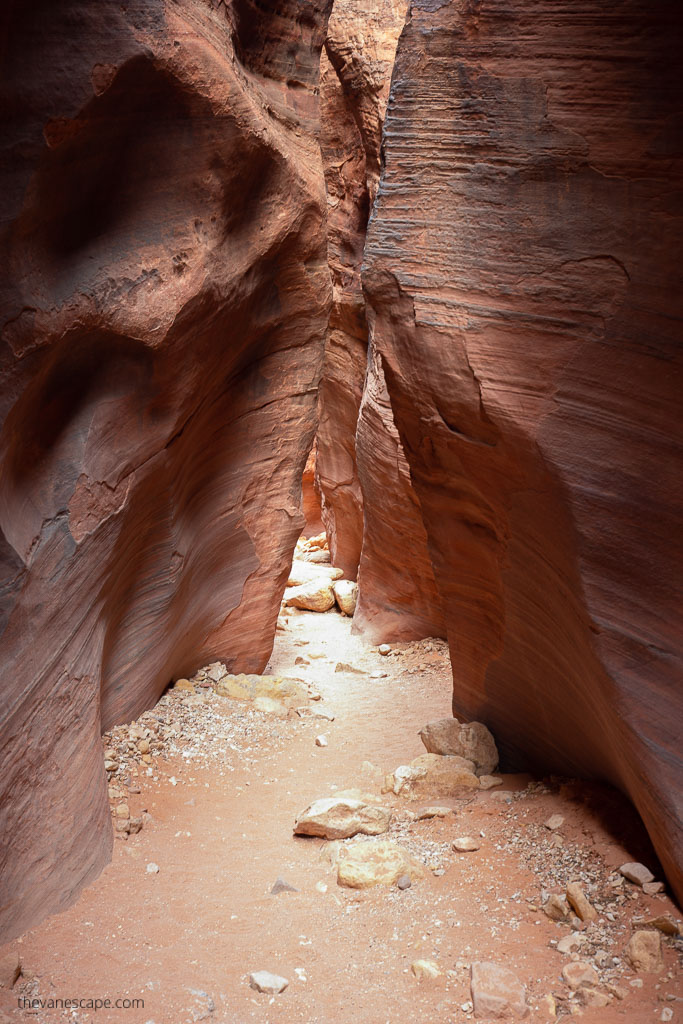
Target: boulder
287, 692
340, 817
305, 572
315, 596
346, 594
471, 740
382, 863
432, 775
497, 992
580, 973
636, 873
644, 951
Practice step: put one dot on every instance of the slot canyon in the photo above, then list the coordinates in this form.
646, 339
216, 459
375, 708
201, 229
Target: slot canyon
341, 511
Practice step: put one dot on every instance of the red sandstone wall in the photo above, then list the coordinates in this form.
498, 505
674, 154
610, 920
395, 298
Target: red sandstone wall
165, 294
354, 87
524, 263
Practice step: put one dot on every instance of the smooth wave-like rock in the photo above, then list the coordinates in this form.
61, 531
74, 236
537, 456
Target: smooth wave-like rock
354, 87
164, 301
523, 263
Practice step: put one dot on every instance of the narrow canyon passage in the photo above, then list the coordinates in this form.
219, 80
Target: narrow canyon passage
186, 911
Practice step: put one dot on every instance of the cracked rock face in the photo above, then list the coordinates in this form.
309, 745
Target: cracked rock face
165, 295
522, 264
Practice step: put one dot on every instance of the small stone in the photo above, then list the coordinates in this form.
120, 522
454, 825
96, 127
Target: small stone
466, 844
617, 991
281, 886
321, 741
378, 675
425, 969
184, 684
667, 1013
652, 888
404, 882
644, 951
321, 887
123, 811
636, 873
556, 908
554, 821
135, 826
592, 997
489, 781
270, 984
434, 812
152, 868
346, 595
664, 923
343, 666
497, 991
384, 649
577, 899
110, 766
308, 712
579, 974
569, 943
143, 746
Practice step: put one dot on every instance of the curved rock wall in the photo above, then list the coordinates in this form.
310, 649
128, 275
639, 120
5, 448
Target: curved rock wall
397, 594
354, 88
165, 296
523, 263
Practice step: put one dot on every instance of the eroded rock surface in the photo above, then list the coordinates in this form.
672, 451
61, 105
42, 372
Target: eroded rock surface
355, 76
523, 262
165, 294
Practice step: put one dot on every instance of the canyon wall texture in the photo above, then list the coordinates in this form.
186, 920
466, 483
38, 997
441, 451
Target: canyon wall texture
355, 74
165, 297
523, 261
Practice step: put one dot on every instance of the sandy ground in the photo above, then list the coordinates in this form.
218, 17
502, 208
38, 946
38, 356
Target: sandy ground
220, 810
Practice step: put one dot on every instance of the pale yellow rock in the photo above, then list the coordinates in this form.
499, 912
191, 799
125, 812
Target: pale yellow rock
289, 692
315, 596
466, 844
644, 950
578, 901
346, 594
434, 812
556, 908
303, 572
184, 684
270, 706
342, 817
123, 811
425, 969
489, 781
367, 864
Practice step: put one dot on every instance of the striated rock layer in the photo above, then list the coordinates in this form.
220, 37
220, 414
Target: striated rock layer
354, 87
165, 295
398, 597
523, 262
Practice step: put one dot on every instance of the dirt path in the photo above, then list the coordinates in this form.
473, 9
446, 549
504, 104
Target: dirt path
219, 827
